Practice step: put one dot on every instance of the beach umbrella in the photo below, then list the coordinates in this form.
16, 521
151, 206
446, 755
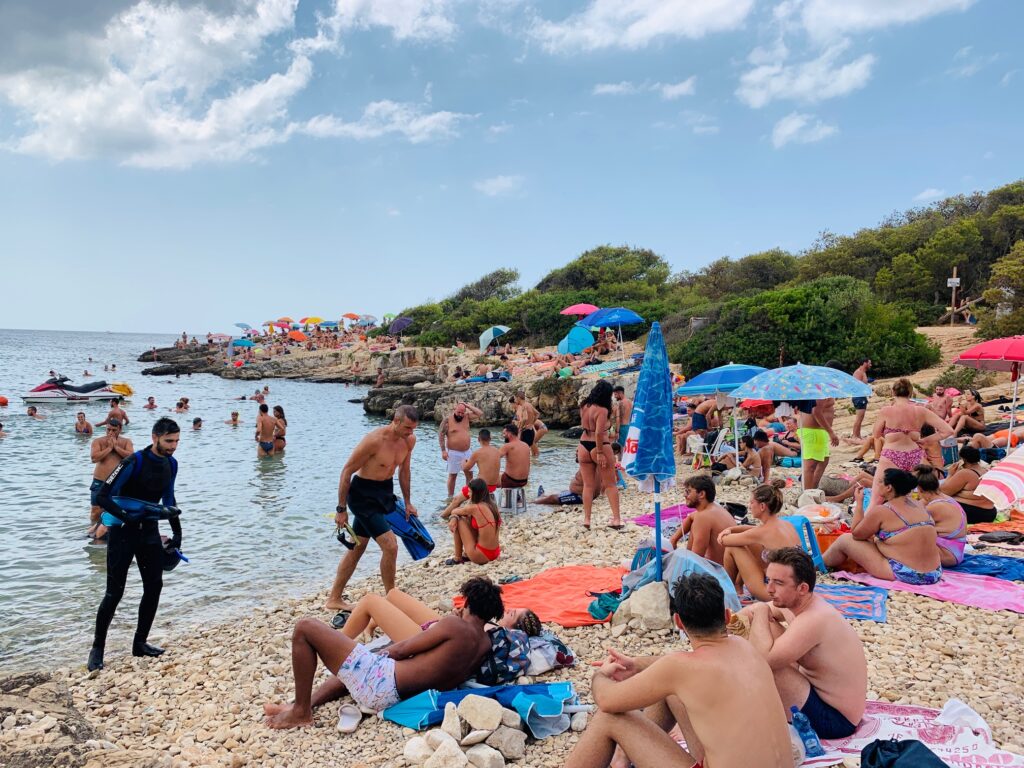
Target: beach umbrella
328, 324
578, 339
724, 378
1006, 354
579, 309
350, 316
220, 337
648, 454
242, 343
285, 320
1003, 485
399, 324
544, 707
491, 334
243, 326
612, 317
297, 336
311, 320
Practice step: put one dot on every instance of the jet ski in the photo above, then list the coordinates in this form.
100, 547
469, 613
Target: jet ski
59, 389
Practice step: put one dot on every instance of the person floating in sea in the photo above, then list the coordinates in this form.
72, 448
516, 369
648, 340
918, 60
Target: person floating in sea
265, 425
443, 656
86, 373
82, 427
33, 413
280, 428
367, 488
150, 404
453, 437
147, 475
233, 421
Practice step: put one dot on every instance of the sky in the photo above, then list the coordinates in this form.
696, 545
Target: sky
178, 165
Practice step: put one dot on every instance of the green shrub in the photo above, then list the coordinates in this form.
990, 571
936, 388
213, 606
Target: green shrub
963, 378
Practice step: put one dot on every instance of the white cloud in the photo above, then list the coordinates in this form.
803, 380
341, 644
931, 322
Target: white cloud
407, 19
672, 91
500, 185
393, 212
929, 194
968, 64
1005, 80
810, 81
499, 128
164, 89
635, 24
829, 19
623, 88
801, 129
700, 123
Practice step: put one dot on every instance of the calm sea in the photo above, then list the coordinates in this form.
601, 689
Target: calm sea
252, 528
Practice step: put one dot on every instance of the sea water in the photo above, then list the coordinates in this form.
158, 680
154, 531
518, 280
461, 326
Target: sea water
255, 530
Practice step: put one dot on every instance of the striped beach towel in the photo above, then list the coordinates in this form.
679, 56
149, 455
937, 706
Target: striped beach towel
856, 601
609, 365
1004, 483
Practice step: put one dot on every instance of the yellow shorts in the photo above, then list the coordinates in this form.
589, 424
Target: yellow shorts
814, 444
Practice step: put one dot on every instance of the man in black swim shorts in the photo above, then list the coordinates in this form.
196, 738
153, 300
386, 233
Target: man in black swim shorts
367, 489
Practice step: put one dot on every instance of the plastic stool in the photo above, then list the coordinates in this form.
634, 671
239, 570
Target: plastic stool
512, 499
808, 540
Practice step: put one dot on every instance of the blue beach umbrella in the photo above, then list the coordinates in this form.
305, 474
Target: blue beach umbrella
329, 324
801, 382
648, 454
243, 326
491, 334
399, 324
575, 341
242, 343
611, 317
724, 378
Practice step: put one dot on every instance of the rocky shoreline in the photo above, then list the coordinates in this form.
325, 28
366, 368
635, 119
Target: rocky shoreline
200, 704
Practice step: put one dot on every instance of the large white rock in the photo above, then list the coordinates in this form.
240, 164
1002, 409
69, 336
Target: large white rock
417, 751
511, 718
482, 756
437, 737
650, 604
451, 724
578, 722
448, 755
481, 713
510, 742
474, 737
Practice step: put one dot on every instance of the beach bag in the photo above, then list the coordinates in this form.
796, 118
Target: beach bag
604, 604
508, 659
547, 652
908, 753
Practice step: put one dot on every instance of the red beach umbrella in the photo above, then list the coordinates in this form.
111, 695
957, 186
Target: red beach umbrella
579, 309
297, 336
1005, 354
350, 316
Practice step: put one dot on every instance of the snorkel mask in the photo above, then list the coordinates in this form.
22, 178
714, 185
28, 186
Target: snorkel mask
343, 535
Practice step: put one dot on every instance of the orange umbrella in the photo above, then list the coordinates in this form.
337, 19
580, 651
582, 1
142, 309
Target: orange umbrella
297, 336
285, 320
351, 316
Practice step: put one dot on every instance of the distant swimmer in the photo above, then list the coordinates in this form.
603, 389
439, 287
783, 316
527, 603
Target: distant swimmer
197, 423
82, 427
116, 412
33, 413
107, 452
280, 428
86, 373
367, 487
2, 433
150, 404
258, 397
266, 389
113, 366
179, 407
147, 475
487, 460
233, 421
265, 432
454, 440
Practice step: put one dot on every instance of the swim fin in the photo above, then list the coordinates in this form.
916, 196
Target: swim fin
137, 510
417, 540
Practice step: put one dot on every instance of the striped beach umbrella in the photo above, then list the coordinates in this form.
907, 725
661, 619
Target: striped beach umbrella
1003, 485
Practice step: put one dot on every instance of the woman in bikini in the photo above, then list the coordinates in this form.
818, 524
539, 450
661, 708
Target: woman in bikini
474, 525
950, 519
895, 539
594, 453
280, 428
971, 417
899, 428
962, 483
746, 546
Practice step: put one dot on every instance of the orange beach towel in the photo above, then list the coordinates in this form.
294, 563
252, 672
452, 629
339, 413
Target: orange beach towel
559, 595
1015, 523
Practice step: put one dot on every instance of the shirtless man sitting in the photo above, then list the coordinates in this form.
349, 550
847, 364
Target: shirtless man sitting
453, 438
487, 460
721, 695
817, 657
516, 454
443, 656
706, 522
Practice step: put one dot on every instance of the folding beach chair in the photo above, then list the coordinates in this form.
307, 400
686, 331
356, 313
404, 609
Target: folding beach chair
808, 540
709, 449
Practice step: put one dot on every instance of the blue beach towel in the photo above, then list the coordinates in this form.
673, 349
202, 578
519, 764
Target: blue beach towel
1008, 568
857, 601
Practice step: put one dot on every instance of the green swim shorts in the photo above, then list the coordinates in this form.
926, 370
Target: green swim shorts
814, 444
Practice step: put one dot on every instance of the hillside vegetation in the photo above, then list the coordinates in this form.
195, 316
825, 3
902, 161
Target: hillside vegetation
844, 297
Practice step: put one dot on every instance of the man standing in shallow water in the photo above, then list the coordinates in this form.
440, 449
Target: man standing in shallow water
265, 424
106, 453
367, 487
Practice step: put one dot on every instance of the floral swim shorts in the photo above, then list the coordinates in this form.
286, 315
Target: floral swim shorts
370, 678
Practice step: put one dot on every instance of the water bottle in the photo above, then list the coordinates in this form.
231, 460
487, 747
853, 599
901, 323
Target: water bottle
867, 499
540, 491
809, 738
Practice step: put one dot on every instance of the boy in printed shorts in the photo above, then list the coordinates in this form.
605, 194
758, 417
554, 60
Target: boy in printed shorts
443, 656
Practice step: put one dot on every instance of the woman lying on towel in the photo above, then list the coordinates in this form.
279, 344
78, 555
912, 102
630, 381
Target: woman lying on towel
895, 539
747, 546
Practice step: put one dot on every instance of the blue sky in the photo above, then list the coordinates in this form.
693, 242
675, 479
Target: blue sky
178, 165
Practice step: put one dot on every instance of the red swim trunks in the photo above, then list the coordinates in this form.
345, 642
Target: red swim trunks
465, 490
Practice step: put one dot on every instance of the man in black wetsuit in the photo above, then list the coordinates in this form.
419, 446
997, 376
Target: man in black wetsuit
147, 475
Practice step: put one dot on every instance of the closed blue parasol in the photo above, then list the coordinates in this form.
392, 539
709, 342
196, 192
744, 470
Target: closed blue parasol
648, 453
399, 324
544, 707
576, 341
724, 378
491, 334
801, 382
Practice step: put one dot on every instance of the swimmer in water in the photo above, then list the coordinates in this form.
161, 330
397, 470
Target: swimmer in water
233, 421
265, 425
82, 426
150, 403
280, 428
33, 413
2, 433
86, 373
197, 423
106, 453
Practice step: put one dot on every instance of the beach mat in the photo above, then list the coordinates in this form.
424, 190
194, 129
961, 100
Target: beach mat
1015, 523
856, 601
962, 588
560, 595
676, 514
1009, 568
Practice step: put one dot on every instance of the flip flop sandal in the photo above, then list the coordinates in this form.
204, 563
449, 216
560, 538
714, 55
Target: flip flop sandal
453, 561
617, 527
341, 619
349, 718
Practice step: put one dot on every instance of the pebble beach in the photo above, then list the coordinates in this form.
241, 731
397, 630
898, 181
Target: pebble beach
201, 704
